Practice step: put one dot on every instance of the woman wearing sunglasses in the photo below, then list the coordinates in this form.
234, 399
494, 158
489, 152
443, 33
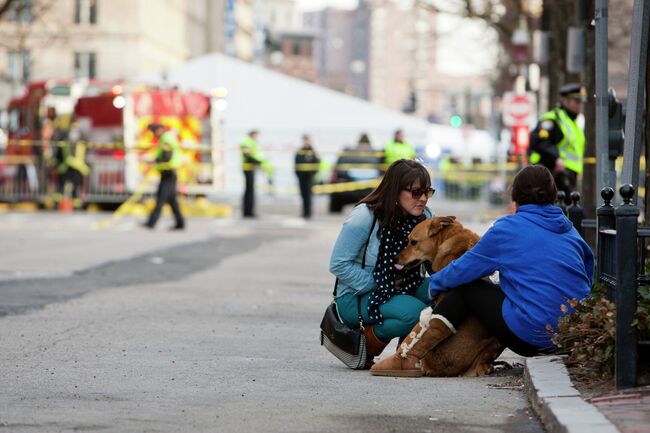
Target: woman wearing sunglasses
369, 287
543, 264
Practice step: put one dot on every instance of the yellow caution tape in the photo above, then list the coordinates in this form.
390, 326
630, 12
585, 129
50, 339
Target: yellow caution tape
345, 186
109, 146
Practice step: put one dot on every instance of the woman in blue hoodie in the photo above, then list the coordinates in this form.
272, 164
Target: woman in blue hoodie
542, 263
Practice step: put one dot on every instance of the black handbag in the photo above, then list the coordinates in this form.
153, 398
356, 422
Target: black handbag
347, 344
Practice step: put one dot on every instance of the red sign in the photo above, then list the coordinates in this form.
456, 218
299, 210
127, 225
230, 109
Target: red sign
519, 109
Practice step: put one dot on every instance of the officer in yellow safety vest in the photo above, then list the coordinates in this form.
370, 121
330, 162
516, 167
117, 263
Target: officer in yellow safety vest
70, 155
168, 159
252, 157
398, 149
558, 143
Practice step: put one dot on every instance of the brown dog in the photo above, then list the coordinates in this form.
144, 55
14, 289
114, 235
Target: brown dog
471, 351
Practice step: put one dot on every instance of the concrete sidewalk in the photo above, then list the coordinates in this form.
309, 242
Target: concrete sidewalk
562, 409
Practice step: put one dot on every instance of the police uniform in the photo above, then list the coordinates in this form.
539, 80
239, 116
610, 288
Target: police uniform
252, 157
306, 165
398, 149
557, 135
71, 165
168, 160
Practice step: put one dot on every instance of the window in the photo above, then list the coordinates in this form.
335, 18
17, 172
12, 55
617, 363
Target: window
85, 65
85, 11
18, 65
20, 10
306, 48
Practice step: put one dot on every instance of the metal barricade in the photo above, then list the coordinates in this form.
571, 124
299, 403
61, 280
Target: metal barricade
30, 173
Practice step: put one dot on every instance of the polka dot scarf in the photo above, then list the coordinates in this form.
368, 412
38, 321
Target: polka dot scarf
393, 240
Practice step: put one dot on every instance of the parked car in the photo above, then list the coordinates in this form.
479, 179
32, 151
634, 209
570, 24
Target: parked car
354, 165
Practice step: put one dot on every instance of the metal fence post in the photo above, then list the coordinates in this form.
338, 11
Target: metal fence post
575, 213
627, 216
605, 220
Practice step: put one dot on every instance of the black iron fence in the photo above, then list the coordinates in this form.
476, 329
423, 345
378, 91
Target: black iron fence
621, 266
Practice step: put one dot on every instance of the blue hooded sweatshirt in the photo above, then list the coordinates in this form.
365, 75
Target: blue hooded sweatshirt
542, 263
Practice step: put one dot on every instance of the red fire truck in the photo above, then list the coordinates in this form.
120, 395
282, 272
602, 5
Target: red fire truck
115, 126
112, 119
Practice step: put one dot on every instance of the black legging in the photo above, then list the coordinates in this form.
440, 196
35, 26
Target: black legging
485, 301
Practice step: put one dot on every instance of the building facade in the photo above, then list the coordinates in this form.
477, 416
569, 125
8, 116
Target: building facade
383, 51
64, 39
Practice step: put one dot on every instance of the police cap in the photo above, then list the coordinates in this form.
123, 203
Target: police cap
574, 90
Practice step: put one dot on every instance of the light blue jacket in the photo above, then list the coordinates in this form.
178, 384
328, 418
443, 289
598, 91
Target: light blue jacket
347, 254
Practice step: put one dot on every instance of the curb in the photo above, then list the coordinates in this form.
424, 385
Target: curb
557, 402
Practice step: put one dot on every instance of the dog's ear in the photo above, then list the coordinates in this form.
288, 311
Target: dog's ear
435, 226
447, 221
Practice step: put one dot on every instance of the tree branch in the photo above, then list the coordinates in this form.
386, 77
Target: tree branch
4, 7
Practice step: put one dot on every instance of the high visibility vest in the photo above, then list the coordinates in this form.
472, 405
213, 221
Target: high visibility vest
251, 159
76, 160
396, 150
167, 153
306, 161
572, 145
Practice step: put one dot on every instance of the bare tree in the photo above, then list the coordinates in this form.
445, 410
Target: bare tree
43, 28
5, 6
503, 16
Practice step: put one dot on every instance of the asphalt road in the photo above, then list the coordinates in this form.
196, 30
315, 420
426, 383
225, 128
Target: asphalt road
213, 330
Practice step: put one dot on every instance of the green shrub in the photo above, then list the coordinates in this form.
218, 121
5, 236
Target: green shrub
587, 335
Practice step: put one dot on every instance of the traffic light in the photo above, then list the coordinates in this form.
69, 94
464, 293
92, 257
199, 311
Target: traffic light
456, 121
616, 124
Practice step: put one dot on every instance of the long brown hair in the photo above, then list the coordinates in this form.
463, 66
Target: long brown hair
383, 200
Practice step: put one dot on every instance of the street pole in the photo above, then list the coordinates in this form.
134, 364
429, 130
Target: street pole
634, 140
604, 165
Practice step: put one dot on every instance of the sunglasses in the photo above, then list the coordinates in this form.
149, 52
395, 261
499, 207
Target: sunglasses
417, 193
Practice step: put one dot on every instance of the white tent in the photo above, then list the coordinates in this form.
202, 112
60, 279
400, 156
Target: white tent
283, 108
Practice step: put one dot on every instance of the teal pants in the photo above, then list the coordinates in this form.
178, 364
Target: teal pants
400, 313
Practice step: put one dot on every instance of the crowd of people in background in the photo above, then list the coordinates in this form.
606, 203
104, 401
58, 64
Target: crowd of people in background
307, 164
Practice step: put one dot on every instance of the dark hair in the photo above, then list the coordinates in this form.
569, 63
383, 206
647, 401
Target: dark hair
364, 139
401, 174
534, 184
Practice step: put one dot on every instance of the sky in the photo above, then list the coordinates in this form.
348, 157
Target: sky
464, 47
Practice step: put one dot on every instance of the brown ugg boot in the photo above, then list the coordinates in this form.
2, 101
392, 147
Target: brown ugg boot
374, 346
432, 329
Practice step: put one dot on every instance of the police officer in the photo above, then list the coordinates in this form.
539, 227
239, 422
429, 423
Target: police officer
398, 149
252, 157
558, 143
306, 165
70, 156
168, 159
